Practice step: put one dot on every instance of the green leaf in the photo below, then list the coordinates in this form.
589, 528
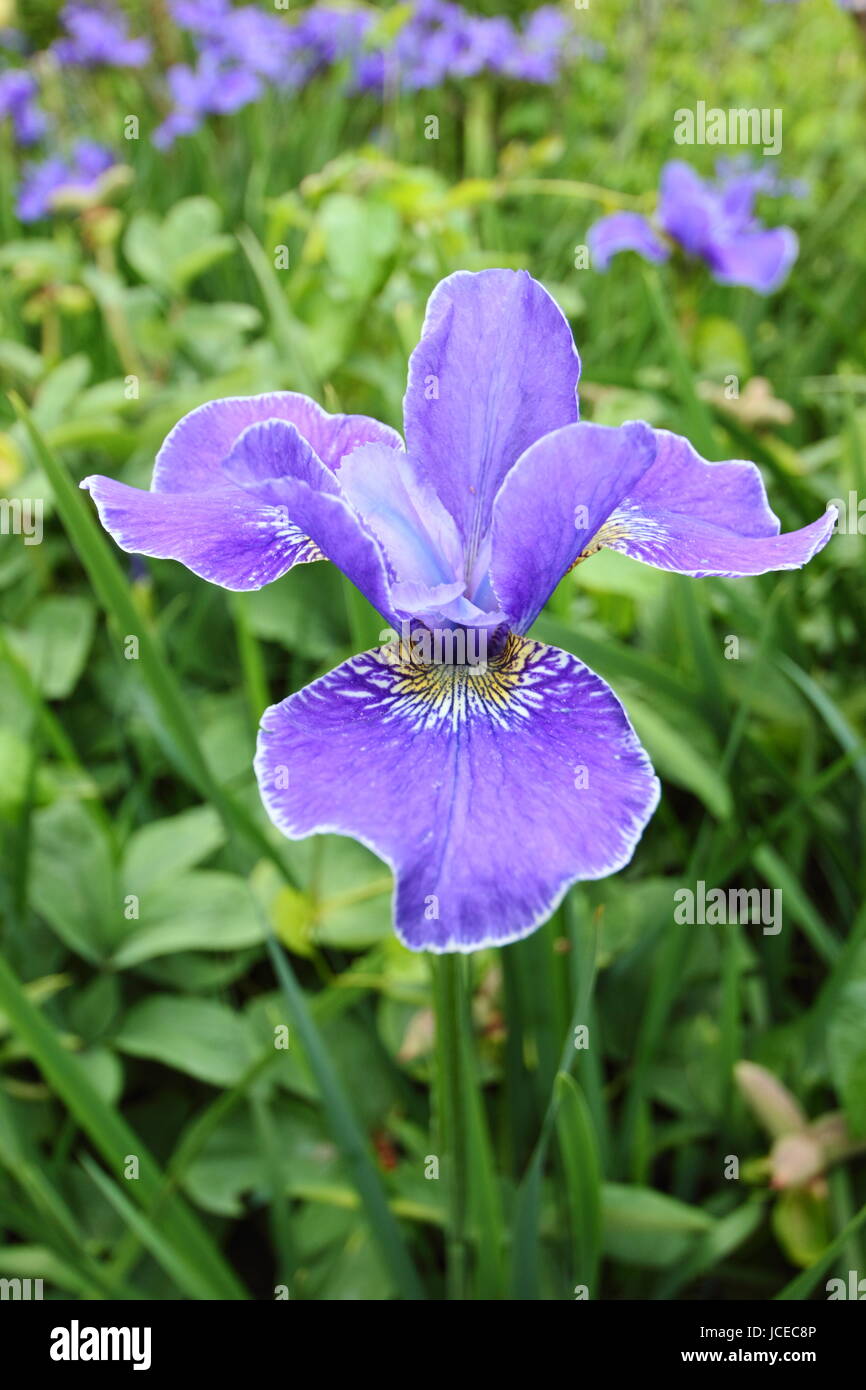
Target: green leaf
676, 758
56, 643
166, 848
171, 253
360, 235
345, 900
199, 912
232, 1163
200, 1037
646, 1228
75, 892
579, 1148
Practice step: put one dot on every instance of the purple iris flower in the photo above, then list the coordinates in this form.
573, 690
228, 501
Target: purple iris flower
45, 185
714, 222
488, 786
213, 87
98, 37
18, 93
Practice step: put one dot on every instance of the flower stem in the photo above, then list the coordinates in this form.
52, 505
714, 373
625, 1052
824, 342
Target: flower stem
449, 1008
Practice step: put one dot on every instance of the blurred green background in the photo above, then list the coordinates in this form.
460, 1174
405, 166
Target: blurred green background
293, 245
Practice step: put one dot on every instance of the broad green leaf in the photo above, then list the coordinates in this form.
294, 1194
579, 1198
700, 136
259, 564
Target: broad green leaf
200, 1037
56, 642
72, 879
201, 911
360, 235
163, 849
646, 1228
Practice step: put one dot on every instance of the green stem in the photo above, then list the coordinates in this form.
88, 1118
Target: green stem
450, 1122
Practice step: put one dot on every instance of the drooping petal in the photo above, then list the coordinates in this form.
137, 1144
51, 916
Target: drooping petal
700, 518
624, 231
552, 503
342, 538
240, 533
267, 453
193, 451
759, 260
273, 505
488, 790
496, 369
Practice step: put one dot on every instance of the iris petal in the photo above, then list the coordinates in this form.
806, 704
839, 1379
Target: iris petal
488, 790
240, 533
700, 518
624, 231
417, 534
192, 453
219, 501
554, 500
495, 370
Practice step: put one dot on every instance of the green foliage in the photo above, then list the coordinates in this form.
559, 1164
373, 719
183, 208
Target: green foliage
180, 985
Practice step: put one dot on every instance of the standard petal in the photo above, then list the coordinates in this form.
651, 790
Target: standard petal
488, 790
702, 518
496, 368
554, 500
418, 535
195, 448
688, 209
624, 231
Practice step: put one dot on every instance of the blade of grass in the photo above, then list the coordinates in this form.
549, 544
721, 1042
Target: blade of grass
524, 1281
577, 1144
182, 1270
346, 1131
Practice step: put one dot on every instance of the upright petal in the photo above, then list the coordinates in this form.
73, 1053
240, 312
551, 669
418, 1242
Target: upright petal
496, 368
700, 518
195, 448
552, 503
688, 210
417, 534
487, 789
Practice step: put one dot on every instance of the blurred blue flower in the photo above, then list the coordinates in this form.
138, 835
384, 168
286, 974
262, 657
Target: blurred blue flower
241, 50
44, 185
715, 222
98, 36
18, 93
213, 87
